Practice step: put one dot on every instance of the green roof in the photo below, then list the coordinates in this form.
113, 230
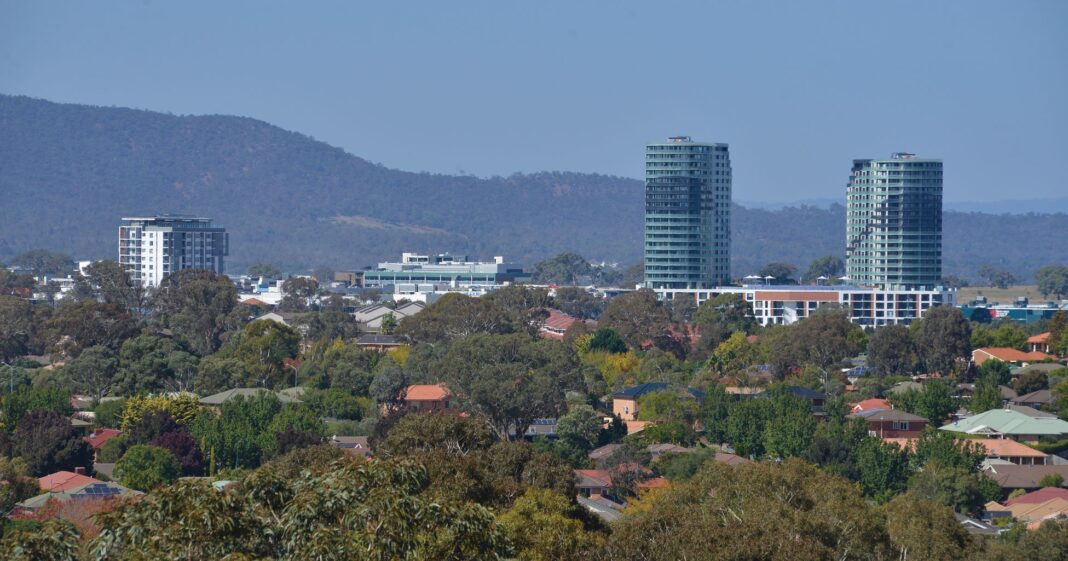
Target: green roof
1009, 422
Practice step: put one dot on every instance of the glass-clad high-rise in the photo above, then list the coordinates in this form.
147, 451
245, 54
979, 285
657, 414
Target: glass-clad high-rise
894, 223
687, 214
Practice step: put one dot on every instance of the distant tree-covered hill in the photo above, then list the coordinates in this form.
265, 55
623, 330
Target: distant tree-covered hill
68, 173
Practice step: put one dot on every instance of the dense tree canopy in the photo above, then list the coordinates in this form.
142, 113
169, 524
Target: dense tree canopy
511, 379
942, 338
199, 307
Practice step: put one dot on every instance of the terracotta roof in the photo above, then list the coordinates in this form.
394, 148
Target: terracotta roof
64, 480
636, 426
1005, 448
1039, 339
593, 478
902, 442
1040, 496
426, 392
731, 459
100, 436
1031, 512
654, 483
869, 404
1006, 354
559, 321
255, 302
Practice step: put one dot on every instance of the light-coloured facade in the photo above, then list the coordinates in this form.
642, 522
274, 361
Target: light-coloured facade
687, 214
443, 269
785, 304
894, 223
150, 248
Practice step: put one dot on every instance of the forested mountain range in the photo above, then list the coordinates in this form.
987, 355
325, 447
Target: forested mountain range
68, 173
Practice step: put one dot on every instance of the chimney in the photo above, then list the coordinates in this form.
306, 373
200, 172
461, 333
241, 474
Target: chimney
79, 470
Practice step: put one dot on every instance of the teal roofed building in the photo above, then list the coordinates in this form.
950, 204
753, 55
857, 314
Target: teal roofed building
1007, 423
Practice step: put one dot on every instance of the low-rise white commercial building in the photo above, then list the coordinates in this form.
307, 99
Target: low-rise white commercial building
787, 304
454, 270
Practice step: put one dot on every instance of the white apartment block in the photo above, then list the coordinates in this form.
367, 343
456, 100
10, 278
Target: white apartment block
787, 304
150, 248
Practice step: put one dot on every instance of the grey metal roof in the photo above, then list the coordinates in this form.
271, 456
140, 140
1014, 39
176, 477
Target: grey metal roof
227, 395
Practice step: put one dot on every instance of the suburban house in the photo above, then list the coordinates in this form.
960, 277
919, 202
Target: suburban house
977, 527
370, 317
380, 343
1039, 343
1040, 496
606, 509
1007, 423
731, 459
1012, 451
892, 423
870, 404
1032, 508
1008, 355
1035, 399
428, 398
996, 449
1030, 411
556, 325
815, 398
654, 483
62, 487
63, 480
625, 402
604, 451
354, 445
216, 400
593, 482
657, 450
1011, 476
99, 436
287, 319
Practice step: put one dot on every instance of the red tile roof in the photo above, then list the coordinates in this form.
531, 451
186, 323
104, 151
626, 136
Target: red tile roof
63, 480
1040, 496
597, 476
426, 392
654, 483
559, 321
1006, 354
100, 436
1039, 339
995, 447
869, 404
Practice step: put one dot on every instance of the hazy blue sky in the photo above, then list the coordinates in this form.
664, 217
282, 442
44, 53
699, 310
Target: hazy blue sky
798, 89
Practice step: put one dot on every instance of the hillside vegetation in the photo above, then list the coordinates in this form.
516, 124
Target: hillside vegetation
69, 172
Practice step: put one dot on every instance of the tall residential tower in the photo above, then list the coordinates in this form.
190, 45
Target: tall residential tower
151, 248
894, 223
687, 214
